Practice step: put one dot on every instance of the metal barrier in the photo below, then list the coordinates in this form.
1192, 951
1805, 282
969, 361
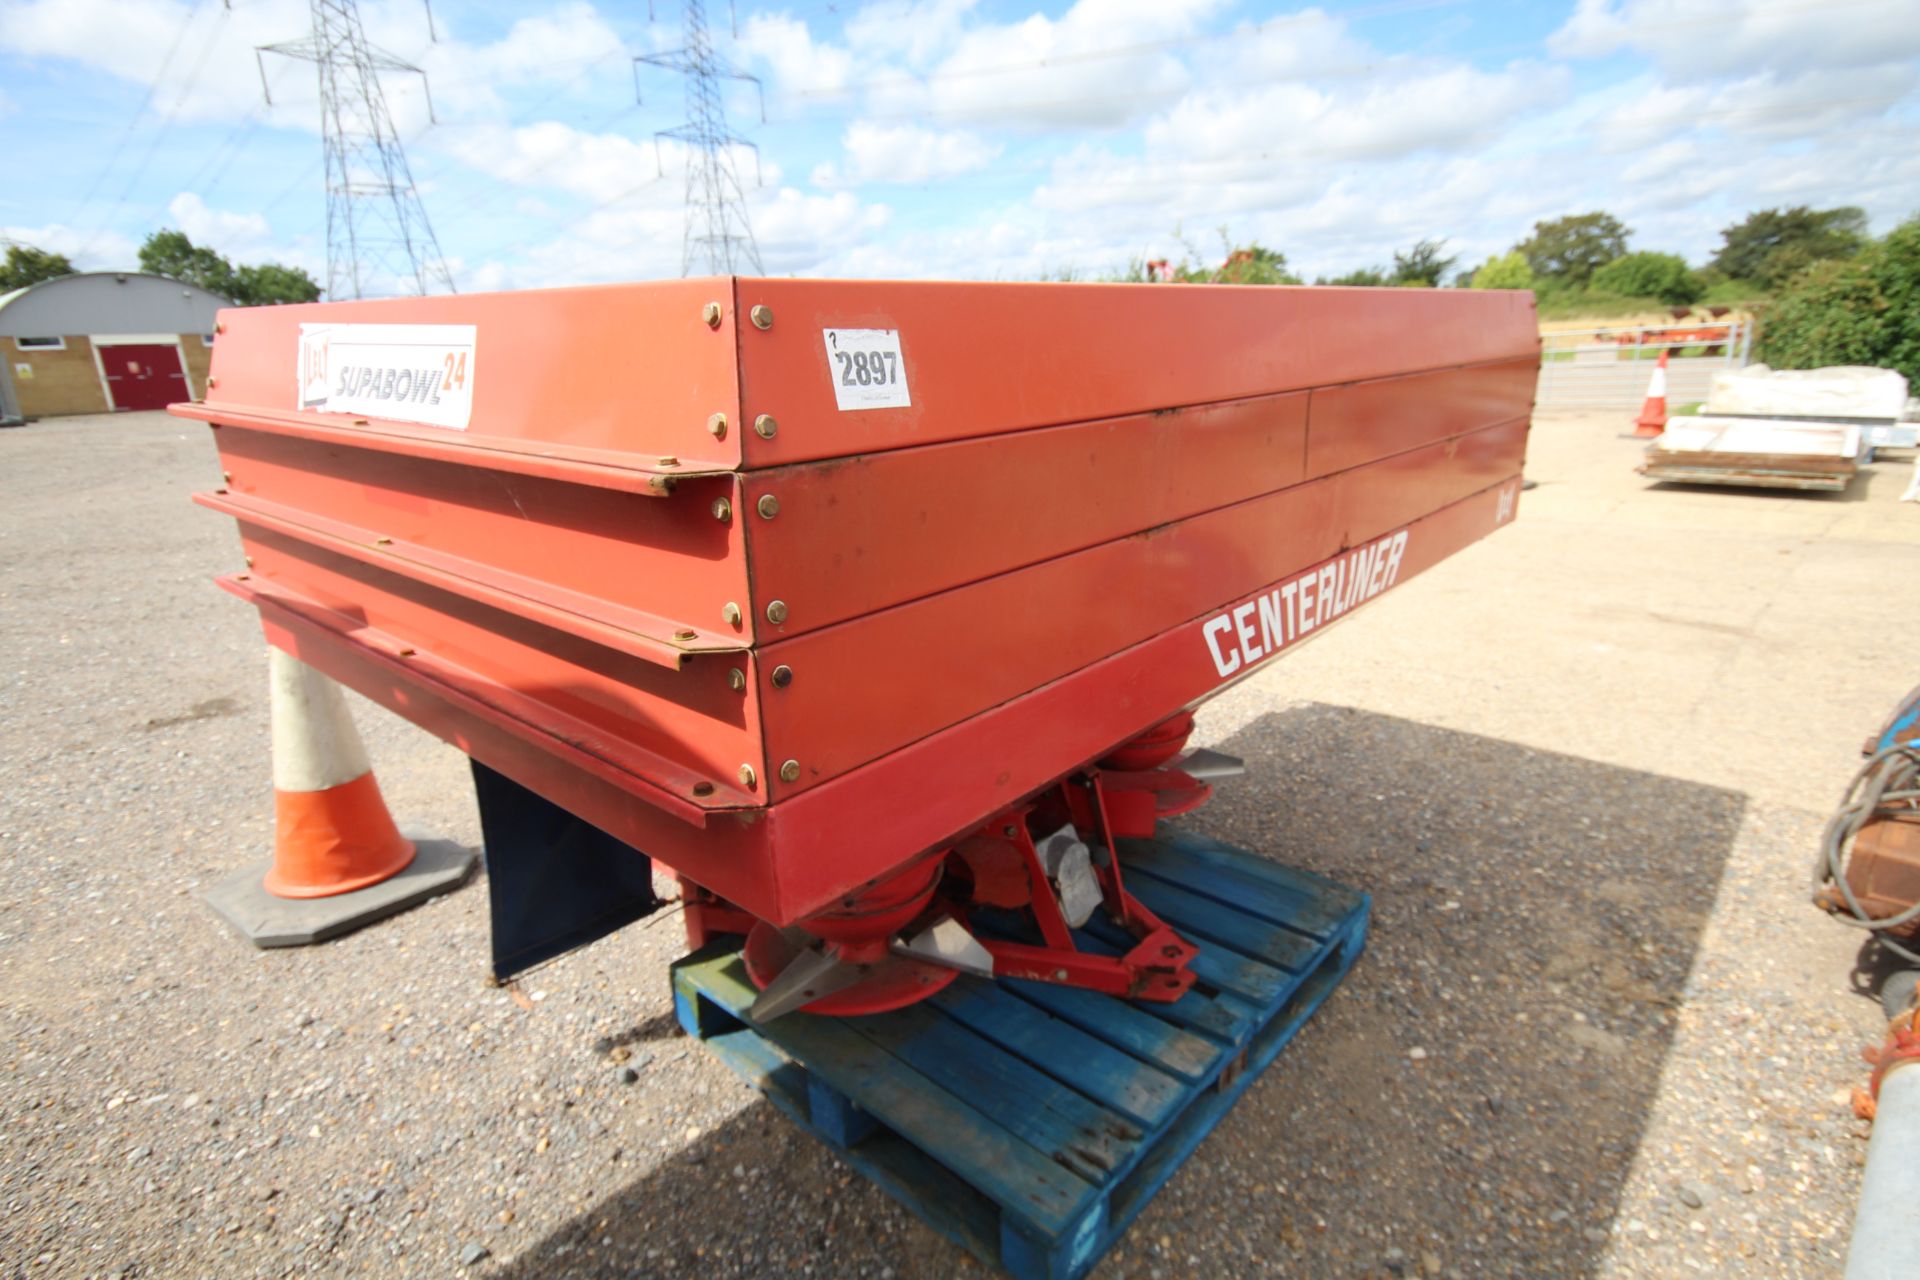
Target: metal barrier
1608, 368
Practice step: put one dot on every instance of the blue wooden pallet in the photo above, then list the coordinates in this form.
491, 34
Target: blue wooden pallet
1030, 1123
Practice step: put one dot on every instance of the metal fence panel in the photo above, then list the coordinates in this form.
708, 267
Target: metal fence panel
1607, 368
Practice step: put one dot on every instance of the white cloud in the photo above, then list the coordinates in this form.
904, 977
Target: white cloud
1097, 65
200, 58
555, 156
1770, 104
801, 64
236, 235
1407, 109
903, 154
640, 238
1701, 39
917, 33
90, 251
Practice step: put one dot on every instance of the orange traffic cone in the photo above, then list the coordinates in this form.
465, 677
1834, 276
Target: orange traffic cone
332, 831
339, 861
1653, 414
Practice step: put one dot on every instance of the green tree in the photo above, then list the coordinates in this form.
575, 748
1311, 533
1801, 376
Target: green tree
1859, 310
1665, 276
170, 253
1251, 263
1508, 271
1366, 277
1248, 264
1773, 245
27, 265
1422, 265
269, 283
1574, 247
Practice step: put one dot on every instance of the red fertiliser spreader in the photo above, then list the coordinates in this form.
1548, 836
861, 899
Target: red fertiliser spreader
867, 608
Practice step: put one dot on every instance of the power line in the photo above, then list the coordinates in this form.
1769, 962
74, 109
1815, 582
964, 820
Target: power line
173, 114
377, 228
146, 100
160, 134
718, 234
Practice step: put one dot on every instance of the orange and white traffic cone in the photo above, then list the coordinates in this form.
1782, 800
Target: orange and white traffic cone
339, 861
332, 832
1653, 414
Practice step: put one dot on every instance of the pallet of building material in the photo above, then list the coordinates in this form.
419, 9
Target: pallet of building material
1749, 470
1030, 1123
1772, 453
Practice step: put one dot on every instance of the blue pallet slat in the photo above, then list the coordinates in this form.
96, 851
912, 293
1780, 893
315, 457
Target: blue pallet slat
1031, 1123
1115, 1079
1298, 899
1213, 921
986, 1153
1255, 983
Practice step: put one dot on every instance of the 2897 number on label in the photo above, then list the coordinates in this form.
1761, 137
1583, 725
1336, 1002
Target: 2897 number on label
867, 369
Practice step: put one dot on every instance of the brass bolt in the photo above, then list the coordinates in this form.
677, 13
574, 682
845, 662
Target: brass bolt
406, 653
747, 776
762, 316
227, 476
703, 788
777, 611
717, 424
383, 542
790, 771
768, 506
764, 426
669, 461
730, 612
249, 560
219, 327
212, 382
782, 676
722, 509
711, 314
736, 679
686, 635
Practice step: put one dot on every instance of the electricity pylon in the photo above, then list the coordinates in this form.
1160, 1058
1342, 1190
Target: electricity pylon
718, 237
377, 229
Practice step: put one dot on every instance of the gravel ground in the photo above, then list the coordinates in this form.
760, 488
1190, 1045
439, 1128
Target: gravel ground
1581, 767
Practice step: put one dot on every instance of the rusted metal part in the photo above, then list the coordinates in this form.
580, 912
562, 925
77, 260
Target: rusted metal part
1900, 1049
1883, 870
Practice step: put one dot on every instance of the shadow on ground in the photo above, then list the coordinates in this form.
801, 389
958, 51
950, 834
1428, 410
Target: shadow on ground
1535, 918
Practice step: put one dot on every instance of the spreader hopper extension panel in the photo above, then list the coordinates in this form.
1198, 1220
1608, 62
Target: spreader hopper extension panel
788, 582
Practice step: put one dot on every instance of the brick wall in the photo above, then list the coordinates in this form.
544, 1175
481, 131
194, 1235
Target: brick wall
60, 381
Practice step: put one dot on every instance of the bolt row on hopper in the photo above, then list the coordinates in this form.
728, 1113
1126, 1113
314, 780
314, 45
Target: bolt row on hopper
860, 606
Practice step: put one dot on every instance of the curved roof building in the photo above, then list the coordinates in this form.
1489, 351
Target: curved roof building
103, 342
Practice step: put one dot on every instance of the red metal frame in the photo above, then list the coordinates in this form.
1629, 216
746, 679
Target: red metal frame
730, 647
790, 860
1155, 968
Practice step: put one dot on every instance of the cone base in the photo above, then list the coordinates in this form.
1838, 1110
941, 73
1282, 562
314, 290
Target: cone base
267, 920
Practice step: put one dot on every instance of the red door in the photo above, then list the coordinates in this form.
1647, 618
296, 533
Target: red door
144, 377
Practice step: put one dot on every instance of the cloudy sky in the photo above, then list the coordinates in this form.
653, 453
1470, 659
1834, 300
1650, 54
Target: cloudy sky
974, 138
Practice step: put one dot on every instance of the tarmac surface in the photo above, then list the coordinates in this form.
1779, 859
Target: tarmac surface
1598, 1032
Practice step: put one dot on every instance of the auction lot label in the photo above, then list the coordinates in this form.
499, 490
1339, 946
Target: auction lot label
404, 372
867, 369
